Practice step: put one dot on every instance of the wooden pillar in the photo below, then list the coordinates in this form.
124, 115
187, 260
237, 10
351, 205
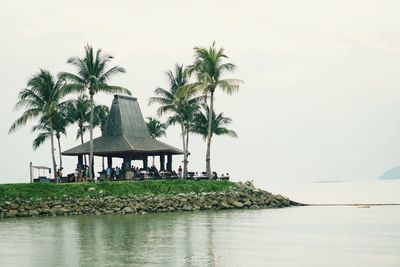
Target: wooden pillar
169, 163
80, 162
31, 171
127, 162
128, 174
109, 162
92, 170
145, 162
162, 162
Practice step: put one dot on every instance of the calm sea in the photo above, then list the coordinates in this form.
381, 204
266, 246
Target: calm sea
301, 236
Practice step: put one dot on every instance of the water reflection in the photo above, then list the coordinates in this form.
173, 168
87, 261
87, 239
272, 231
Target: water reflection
293, 236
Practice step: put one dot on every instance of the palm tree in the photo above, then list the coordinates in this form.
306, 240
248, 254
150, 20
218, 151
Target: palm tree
93, 76
209, 69
41, 98
179, 100
100, 116
79, 112
60, 122
156, 129
218, 126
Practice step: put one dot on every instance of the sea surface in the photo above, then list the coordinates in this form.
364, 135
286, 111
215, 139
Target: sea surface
298, 236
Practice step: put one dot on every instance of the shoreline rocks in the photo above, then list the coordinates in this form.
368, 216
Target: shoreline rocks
244, 196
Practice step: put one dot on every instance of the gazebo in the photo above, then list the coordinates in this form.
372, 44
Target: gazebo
126, 136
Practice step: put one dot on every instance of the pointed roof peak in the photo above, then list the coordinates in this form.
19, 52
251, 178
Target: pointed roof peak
125, 118
125, 132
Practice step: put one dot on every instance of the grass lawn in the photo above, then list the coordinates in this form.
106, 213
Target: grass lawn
116, 189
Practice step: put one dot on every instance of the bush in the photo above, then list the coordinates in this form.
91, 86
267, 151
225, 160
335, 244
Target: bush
116, 189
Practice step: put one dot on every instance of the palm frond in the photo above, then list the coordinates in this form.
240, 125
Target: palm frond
40, 139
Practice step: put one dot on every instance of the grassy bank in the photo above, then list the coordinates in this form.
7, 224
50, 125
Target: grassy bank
116, 189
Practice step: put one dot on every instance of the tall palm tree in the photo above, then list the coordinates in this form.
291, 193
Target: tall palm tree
209, 69
60, 122
156, 129
218, 125
92, 76
177, 100
40, 98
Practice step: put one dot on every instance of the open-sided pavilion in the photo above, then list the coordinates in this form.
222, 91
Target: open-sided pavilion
126, 136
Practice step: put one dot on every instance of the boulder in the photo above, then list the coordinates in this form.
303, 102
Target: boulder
237, 204
11, 213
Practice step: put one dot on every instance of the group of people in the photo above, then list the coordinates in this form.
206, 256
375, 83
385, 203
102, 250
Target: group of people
118, 173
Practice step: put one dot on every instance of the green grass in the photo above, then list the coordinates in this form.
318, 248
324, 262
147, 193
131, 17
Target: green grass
116, 189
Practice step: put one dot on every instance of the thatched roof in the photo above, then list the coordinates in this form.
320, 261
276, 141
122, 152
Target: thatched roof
124, 133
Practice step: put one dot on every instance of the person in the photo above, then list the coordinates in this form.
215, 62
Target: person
75, 176
180, 171
109, 170
60, 175
117, 173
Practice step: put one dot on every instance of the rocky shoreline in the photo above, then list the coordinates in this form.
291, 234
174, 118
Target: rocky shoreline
244, 196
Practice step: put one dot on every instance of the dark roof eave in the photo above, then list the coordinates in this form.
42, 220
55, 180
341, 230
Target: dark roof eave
149, 152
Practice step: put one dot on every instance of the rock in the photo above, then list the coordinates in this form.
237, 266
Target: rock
33, 213
237, 204
247, 203
61, 211
127, 210
187, 208
91, 189
11, 213
224, 205
22, 214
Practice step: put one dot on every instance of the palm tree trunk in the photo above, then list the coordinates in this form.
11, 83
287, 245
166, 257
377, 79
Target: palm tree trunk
186, 154
52, 149
91, 138
184, 148
208, 154
84, 156
59, 150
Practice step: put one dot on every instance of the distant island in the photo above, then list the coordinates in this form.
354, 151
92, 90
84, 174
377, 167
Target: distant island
393, 173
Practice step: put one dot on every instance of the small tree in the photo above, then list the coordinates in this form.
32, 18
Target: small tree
218, 126
60, 122
156, 129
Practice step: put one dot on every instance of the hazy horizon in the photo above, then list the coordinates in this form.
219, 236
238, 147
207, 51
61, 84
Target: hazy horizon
321, 79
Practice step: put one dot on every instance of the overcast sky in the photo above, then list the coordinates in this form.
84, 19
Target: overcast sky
321, 92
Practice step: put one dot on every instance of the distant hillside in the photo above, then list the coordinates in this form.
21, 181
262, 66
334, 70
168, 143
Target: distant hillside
393, 173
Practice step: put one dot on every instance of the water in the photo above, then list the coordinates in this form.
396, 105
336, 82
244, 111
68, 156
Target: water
346, 192
301, 236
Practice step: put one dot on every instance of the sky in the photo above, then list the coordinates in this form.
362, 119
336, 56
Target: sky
321, 92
